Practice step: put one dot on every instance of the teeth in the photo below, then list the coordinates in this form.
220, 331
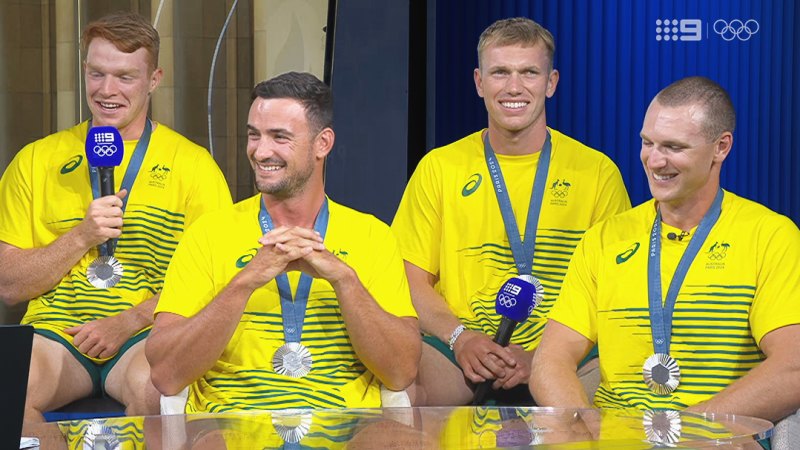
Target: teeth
662, 177
513, 105
268, 168
109, 105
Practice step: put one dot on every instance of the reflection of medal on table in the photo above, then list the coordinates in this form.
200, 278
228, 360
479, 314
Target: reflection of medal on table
662, 427
99, 436
660, 371
293, 359
291, 425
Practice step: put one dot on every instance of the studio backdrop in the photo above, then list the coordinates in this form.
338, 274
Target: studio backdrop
615, 55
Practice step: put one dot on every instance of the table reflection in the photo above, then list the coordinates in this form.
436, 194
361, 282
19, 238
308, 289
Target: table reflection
410, 428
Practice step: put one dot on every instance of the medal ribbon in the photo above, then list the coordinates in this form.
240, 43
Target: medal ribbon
293, 312
134, 166
661, 314
521, 250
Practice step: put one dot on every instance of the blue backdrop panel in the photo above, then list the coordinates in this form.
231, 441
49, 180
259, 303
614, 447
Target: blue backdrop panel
615, 55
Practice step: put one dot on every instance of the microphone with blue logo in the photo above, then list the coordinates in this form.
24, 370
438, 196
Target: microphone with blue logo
104, 150
514, 303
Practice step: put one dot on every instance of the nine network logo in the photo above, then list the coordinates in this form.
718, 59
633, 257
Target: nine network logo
692, 29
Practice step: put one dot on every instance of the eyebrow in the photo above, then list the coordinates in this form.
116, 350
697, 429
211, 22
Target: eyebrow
270, 130
668, 142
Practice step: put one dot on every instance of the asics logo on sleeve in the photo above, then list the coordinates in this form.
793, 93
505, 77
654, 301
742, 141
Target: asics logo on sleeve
472, 185
71, 164
626, 255
246, 258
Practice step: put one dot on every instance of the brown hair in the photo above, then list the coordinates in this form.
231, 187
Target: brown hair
516, 31
313, 94
128, 32
720, 115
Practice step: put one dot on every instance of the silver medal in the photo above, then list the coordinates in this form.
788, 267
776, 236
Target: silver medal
291, 425
104, 272
539, 292
661, 373
292, 359
99, 436
662, 427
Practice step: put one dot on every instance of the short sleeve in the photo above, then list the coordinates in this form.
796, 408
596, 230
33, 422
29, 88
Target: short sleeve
418, 222
388, 284
16, 201
576, 306
777, 298
188, 284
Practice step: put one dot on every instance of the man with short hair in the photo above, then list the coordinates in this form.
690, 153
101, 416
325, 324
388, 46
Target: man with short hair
692, 296
469, 220
287, 299
89, 339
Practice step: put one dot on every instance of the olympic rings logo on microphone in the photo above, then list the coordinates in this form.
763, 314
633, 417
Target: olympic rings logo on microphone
104, 150
736, 29
507, 301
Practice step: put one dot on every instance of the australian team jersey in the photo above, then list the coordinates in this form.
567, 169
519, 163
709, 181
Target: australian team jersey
46, 192
219, 247
741, 285
449, 223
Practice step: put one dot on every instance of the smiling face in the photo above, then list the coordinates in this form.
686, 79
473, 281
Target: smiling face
682, 164
282, 148
118, 85
514, 82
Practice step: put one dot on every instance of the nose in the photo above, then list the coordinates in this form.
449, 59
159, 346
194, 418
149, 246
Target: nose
262, 149
514, 84
654, 157
107, 86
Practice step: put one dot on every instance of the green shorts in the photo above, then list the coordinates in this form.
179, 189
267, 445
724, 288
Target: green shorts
97, 372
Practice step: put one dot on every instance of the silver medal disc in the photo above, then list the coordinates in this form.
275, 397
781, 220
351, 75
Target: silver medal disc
539, 292
662, 427
99, 436
104, 272
291, 425
292, 359
661, 373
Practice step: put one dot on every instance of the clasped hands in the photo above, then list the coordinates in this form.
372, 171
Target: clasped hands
286, 249
482, 359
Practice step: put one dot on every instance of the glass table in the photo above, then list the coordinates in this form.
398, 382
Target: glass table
410, 428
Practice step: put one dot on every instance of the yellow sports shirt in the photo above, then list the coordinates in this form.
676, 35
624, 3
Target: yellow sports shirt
218, 247
449, 223
45, 192
742, 285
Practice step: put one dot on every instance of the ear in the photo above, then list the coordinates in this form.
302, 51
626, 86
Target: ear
723, 147
476, 74
552, 82
323, 143
155, 79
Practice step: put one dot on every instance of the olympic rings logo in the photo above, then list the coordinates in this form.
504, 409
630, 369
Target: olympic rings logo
507, 301
560, 194
105, 150
736, 29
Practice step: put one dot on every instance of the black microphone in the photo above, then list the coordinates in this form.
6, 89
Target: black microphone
104, 150
514, 302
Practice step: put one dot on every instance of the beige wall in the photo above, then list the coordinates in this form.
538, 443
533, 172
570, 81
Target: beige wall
41, 83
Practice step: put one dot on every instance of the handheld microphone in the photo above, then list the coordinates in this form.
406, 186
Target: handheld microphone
104, 150
514, 303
